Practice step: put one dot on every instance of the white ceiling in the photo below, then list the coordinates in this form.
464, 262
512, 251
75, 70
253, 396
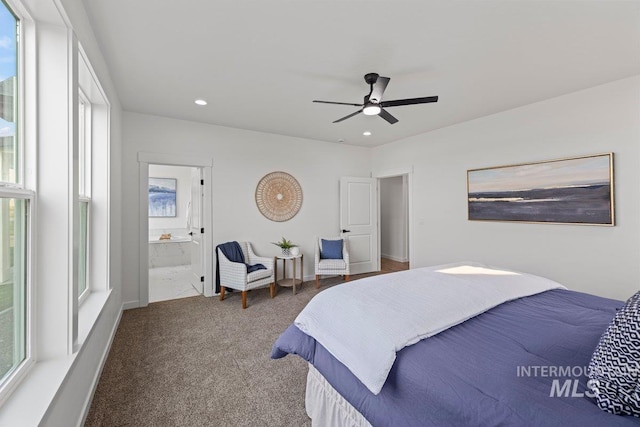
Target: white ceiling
259, 64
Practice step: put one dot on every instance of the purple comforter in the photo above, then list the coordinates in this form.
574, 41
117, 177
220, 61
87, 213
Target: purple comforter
521, 363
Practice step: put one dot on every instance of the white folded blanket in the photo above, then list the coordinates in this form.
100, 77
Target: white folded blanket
365, 322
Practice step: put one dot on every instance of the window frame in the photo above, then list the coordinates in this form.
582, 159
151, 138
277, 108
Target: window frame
85, 142
13, 379
87, 251
19, 190
96, 172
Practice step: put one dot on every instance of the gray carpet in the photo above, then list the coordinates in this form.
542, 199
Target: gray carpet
201, 362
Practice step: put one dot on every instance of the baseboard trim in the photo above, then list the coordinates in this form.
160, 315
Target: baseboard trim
394, 258
130, 304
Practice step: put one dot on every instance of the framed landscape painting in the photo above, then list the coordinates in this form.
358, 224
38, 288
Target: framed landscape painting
567, 191
162, 197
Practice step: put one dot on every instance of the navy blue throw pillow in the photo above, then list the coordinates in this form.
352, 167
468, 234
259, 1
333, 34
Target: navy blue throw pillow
331, 249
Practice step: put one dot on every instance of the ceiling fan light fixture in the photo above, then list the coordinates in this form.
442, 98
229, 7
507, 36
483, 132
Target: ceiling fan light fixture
371, 110
372, 104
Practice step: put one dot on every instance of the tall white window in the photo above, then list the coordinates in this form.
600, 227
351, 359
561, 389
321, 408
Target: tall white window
93, 182
15, 204
84, 187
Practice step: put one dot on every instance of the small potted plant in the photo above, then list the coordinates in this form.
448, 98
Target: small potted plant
286, 246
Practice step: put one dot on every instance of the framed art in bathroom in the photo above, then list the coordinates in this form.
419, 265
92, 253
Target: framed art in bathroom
162, 197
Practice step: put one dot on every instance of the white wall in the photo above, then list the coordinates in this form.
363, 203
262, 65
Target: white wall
595, 259
393, 219
183, 196
240, 159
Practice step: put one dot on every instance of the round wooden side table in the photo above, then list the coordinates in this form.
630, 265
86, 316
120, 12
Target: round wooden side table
295, 280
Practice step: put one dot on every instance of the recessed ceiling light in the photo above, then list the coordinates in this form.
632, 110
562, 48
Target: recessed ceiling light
341, 140
366, 133
201, 102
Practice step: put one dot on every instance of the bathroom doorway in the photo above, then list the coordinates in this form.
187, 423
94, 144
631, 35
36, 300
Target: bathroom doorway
174, 251
176, 231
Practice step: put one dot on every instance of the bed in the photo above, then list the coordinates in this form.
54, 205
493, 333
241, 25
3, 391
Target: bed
520, 361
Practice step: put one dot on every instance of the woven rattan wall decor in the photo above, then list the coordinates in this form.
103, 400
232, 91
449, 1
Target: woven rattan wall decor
278, 196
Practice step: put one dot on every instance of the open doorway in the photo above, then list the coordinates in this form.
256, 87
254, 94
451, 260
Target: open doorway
394, 223
175, 256
197, 233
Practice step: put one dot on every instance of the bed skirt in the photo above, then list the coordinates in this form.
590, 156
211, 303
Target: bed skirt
326, 407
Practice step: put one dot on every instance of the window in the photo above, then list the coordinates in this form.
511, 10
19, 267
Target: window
84, 188
92, 258
13, 284
83, 250
84, 145
40, 151
15, 205
9, 155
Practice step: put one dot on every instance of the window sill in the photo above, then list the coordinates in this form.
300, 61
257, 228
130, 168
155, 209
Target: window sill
29, 402
89, 312
31, 399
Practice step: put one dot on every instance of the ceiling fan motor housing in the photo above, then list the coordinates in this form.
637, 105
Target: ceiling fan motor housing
371, 78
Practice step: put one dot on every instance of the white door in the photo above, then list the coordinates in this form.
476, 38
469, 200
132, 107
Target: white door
195, 229
359, 222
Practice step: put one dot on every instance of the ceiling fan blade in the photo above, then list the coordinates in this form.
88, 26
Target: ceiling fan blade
378, 89
388, 117
339, 103
410, 101
349, 116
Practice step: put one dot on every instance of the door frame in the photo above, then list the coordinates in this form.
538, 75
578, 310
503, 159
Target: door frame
196, 206
206, 164
408, 172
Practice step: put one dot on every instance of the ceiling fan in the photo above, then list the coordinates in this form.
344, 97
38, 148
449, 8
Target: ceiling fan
373, 103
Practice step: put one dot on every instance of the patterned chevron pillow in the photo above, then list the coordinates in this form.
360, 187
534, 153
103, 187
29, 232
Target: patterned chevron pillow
614, 370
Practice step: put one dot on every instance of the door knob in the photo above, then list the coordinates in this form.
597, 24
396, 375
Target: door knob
346, 231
